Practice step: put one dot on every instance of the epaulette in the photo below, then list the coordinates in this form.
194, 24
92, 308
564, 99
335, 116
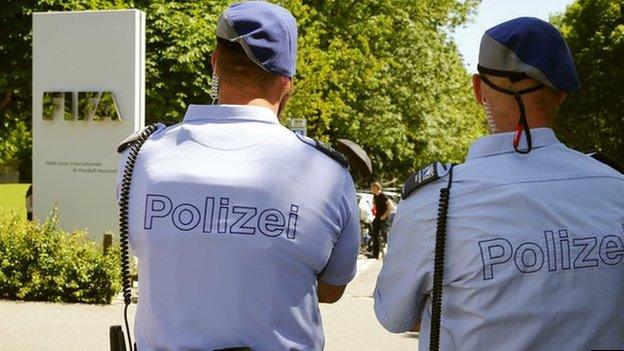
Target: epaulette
326, 149
127, 142
606, 159
424, 176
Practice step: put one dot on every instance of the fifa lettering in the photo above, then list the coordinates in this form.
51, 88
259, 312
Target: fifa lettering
81, 106
560, 252
219, 216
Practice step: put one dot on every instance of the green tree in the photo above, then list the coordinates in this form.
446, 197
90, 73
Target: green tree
386, 75
593, 118
16, 75
383, 73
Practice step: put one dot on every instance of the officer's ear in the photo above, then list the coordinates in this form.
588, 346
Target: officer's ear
561, 98
287, 83
287, 88
476, 87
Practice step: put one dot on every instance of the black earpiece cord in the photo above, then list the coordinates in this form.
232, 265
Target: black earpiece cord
438, 264
124, 200
523, 125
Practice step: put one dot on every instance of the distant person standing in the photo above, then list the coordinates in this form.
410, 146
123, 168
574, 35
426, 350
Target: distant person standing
383, 208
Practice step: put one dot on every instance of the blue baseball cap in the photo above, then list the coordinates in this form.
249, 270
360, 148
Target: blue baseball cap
267, 33
532, 47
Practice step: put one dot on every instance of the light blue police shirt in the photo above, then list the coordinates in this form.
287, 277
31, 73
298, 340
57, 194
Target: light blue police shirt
232, 219
534, 252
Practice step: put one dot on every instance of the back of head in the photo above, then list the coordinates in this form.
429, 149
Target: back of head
235, 67
527, 60
528, 47
376, 187
256, 53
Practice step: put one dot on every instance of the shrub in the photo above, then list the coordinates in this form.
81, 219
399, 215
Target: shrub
40, 262
15, 145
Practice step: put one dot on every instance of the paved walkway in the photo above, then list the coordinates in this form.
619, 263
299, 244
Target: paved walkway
349, 324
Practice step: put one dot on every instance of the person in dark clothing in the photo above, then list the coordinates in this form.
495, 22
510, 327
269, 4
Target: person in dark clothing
383, 205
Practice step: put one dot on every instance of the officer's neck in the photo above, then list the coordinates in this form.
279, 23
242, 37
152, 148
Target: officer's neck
508, 122
229, 97
509, 126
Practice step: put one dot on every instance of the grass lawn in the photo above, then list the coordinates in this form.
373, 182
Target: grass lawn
12, 198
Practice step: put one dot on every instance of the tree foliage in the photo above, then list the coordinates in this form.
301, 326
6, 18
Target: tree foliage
386, 75
593, 118
383, 73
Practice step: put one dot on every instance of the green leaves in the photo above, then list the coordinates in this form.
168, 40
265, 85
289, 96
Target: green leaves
180, 37
383, 73
15, 145
592, 119
39, 262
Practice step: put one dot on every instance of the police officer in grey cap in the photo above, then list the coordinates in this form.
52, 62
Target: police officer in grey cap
240, 226
522, 246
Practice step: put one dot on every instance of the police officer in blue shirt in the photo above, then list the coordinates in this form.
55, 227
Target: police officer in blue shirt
240, 226
534, 256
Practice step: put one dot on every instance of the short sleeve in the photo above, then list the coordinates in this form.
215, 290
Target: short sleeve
406, 273
342, 264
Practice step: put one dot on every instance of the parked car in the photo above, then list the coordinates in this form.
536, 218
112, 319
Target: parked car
365, 205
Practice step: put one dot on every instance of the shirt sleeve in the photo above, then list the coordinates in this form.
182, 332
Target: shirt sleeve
342, 264
406, 274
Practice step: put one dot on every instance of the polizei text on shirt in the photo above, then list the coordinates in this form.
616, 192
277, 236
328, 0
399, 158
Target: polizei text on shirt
220, 216
560, 251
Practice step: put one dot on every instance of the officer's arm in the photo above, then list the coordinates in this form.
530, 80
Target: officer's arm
405, 275
328, 293
342, 264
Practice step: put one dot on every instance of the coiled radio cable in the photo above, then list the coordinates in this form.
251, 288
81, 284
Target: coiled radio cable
438, 265
124, 199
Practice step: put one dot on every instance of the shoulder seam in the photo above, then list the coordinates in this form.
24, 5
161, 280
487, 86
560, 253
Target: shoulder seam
326, 150
467, 192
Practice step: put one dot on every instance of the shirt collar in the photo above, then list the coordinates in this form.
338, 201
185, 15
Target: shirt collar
230, 113
502, 143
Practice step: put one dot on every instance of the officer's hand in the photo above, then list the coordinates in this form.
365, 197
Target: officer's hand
416, 327
329, 293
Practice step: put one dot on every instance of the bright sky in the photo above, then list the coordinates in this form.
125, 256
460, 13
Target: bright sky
493, 12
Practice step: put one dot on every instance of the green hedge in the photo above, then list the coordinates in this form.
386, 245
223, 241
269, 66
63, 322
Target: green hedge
40, 262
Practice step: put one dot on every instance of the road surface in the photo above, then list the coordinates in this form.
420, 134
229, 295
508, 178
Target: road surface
349, 324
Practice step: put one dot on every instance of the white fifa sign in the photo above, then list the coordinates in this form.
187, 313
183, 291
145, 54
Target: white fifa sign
88, 95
